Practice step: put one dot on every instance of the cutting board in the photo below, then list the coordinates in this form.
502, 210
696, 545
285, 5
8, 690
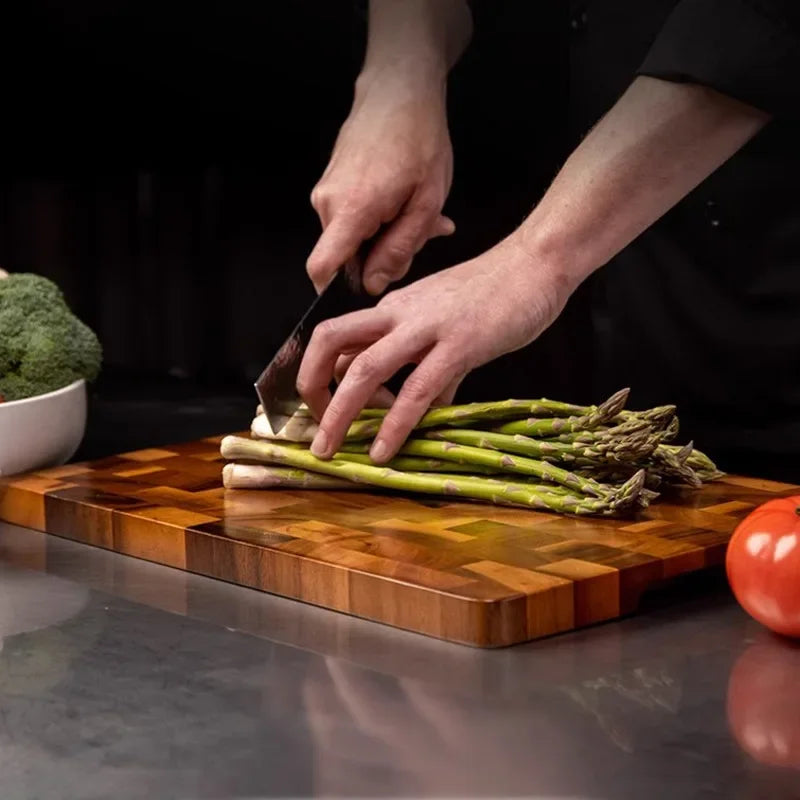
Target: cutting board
459, 571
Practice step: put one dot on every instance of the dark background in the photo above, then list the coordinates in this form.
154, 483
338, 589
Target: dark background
159, 163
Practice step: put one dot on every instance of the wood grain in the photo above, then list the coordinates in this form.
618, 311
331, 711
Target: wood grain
459, 571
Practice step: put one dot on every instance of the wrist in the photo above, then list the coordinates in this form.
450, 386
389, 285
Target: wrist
553, 257
404, 77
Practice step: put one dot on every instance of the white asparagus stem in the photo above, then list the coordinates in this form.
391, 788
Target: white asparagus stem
297, 428
259, 476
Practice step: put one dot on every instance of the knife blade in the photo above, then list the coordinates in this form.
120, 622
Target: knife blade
276, 386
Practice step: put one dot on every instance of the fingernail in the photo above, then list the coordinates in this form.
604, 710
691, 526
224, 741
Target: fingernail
319, 447
379, 451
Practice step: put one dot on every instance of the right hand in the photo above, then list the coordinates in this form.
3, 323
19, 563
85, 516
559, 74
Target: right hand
392, 165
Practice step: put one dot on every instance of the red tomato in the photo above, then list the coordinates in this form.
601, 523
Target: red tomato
764, 703
763, 565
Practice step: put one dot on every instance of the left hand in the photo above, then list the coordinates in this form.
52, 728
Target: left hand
448, 324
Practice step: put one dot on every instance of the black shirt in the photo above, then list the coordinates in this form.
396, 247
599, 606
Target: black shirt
703, 309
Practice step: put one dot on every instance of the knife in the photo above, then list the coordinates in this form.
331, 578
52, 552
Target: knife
276, 387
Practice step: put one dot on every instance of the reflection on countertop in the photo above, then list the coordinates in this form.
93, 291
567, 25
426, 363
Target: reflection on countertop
126, 679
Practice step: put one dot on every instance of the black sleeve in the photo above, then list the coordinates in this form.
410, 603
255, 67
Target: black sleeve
747, 49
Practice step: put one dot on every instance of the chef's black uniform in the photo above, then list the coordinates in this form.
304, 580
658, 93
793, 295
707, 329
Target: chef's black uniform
703, 309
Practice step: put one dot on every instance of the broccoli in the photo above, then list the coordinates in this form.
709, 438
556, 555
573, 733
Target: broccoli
43, 345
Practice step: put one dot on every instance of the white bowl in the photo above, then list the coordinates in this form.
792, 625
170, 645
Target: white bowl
42, 431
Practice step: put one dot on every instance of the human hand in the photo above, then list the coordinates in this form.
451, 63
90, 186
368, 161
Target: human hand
392, 165
448, 324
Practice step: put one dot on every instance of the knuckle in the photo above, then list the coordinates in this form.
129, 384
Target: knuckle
314, 269
396, 429
399, 253
336, 420
456, 363
340, 370
354, 199
418, 388
364, 368
428, 207
392, 299
322, 196
325, 331
303, 385
333, 415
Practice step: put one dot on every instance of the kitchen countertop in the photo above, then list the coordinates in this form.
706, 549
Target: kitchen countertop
124, 679
120, 678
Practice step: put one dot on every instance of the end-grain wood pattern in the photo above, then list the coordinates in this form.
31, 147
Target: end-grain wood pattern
459, 571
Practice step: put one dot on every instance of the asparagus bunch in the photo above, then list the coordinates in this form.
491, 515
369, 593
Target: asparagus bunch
544, 454
492, 489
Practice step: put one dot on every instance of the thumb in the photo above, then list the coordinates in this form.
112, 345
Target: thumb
444, 226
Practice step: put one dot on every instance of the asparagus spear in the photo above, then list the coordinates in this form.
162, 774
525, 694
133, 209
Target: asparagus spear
502, 462
412, 463
618, 474
552, 426
264, 476
660, 416
697, 459
603, 434
628, 449
261, 476
297, 428
671, 431
506, 409
489, 489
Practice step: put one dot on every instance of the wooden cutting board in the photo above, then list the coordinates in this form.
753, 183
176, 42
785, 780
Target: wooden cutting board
467, 573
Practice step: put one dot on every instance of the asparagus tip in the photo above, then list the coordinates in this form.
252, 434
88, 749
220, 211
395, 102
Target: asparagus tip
683, 454
612, 407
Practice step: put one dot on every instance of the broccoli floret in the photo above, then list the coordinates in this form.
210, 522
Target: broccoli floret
28, 293
43, 345
12, 338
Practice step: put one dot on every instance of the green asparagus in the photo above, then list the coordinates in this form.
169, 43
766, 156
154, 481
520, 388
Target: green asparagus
489, 489
628, 449
541, 453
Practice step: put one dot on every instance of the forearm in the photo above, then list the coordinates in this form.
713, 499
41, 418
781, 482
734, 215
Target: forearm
415, 37
656, 145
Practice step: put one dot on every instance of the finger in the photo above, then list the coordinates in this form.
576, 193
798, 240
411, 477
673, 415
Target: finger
348, 333
448, 395
368, 371
433, 376
342, 365
391, 256
338, 242
382, 398
443, 226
